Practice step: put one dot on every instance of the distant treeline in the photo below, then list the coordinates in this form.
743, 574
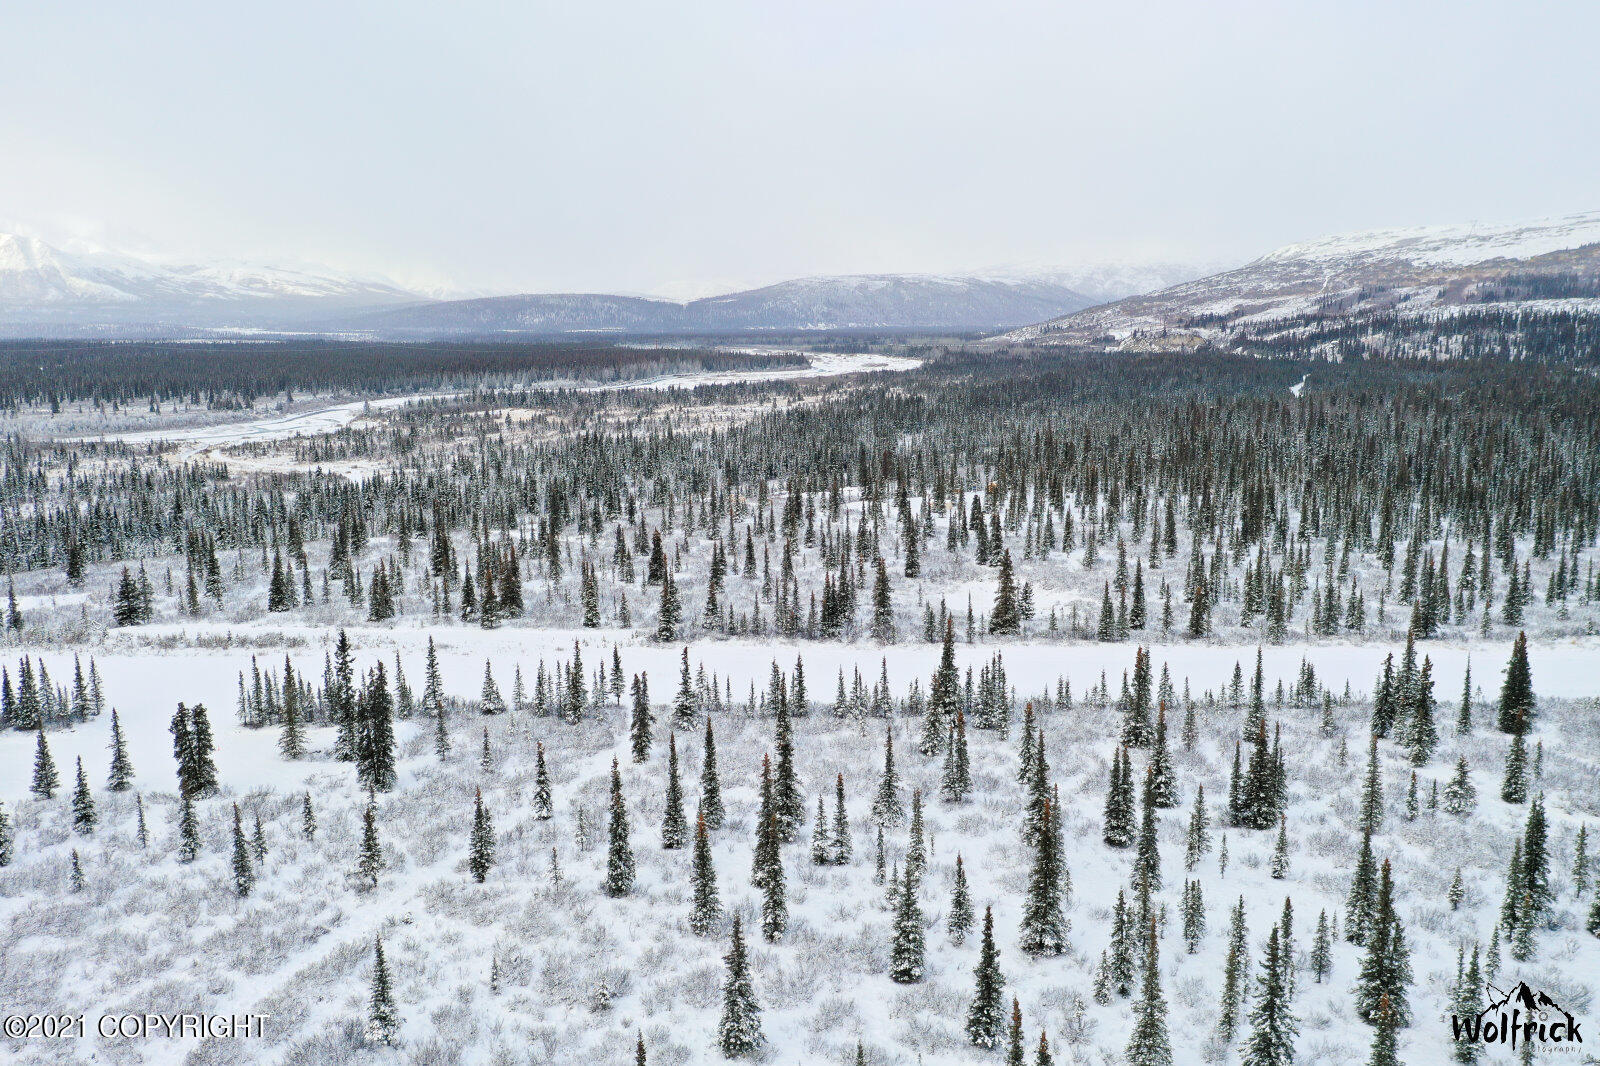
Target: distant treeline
221, 374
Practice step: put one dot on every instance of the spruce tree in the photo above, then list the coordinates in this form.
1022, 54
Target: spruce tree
1273, 1027
821, 853
45, 778
739, 1029
955, 781
1163, 783
1322, 949
886, 810
986, 1016
840, 849
789, 806
1280, 850
619, 856
1233, 976
959, 922
944, 698
308, 819
642, 720
1460, 797
480, 857
543, 804
121, 775
1005, 619
1147, 856
188, 831
1386, 968
7, 841
1516, 693
1514, 784
76, 881
1044, 927
906, 950
1015, 1051
1148, 1045
674, 823
370, 860
244, 876
1386, 1025
383, 1020
706, 909
1119, 809
83, 812
1199, 834
774, 906
710, 783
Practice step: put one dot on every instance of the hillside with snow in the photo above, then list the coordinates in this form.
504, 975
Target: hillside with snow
1401, 280
45, 286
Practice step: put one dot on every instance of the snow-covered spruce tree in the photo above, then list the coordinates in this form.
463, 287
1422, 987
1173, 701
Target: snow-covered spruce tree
1194, 915
1386, 968
1359, 903
83, 812
1516, 693
821, 855
1198, 838
944, 696
188, 831
710, 783
76, 881
774, 905
907, 950
1164, 783
959, 920
1280, 850
1147, 855
1422, 737
674, 823
1460, 797
916, 845
619, 855
739, 1029
383, 1020
1536, 860
706, 909
45, 778
1384, 1035
480, 856
374, 733
670, 615
955, 780
308, 818
1119, 809
370, 859
789, 805
840, 849
1514, 783
1322, 949
986, 1016
1273, 1025
1137, 731
1044, 927
685, 706
543, 805
121, 775
244, 875
886, 809
641, 721
1233, 976
1148, 1044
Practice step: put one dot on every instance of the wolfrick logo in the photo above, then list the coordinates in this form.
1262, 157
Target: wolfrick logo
1518, 1016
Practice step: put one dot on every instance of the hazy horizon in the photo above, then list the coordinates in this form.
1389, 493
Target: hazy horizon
628, 148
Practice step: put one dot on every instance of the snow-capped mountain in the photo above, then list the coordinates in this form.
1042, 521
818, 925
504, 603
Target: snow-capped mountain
42, 285
1548, 262
866, 301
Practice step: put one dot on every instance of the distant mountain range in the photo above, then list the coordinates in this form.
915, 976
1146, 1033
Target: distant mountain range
44, 287
46, 290
860, 302
1302, 292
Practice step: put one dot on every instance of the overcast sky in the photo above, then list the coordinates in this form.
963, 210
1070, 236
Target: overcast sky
686, 147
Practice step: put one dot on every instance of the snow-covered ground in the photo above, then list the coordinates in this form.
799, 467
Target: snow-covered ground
151, 934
